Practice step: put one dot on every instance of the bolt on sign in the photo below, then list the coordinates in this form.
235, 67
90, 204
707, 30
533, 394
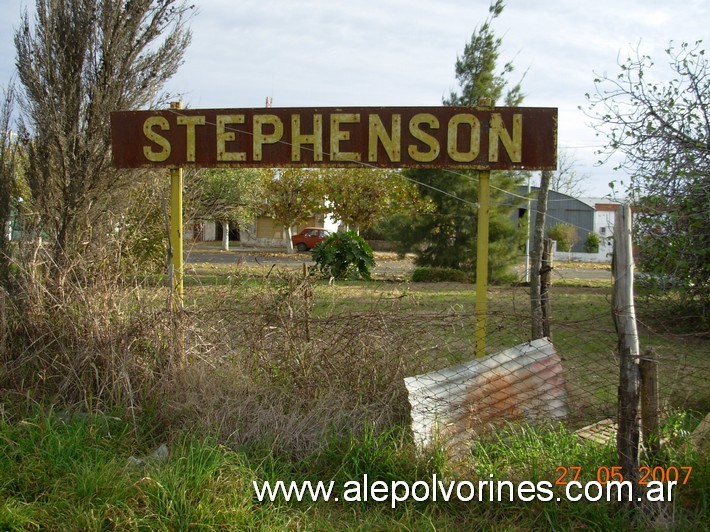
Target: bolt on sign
521, 138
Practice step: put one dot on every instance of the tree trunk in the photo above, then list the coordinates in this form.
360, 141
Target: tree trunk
289, 242
225, 235
536, 257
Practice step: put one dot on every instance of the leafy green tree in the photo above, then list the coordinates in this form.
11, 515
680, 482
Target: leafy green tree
77, 61
359, 197
227, 195
663, 130
293, 196
445, 234
591, 245
564, 234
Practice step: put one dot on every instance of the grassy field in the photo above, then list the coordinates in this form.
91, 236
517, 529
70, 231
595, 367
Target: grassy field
300, 380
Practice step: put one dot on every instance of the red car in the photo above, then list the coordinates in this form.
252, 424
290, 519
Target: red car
309, 238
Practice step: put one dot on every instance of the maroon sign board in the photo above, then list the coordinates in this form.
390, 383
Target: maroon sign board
523, 138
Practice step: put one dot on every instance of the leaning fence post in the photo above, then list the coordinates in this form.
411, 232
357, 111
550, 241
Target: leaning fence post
624, 314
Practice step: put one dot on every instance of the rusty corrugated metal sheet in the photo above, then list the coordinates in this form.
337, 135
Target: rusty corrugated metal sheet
454, 404
402, 137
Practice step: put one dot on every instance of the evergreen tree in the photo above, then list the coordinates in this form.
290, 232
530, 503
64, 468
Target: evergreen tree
445, 235
77, 61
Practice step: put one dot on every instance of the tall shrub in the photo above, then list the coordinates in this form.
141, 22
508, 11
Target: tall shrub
344, 256
77, 61
564, 234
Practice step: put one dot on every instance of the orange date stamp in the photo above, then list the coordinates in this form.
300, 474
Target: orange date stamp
604, 474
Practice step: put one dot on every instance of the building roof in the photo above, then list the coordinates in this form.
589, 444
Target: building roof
593, 201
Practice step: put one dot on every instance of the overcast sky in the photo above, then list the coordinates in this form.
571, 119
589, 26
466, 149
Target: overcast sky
306, 53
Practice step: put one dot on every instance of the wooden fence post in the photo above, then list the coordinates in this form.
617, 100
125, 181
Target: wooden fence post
624, 314
648, 367
545, 282
536, 314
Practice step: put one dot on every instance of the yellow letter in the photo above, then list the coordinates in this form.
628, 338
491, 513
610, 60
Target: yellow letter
513, 146
336, 135
297, 138
426, 138
392, 144
190, 122
162, 123
453, 135
224, 136
261, 138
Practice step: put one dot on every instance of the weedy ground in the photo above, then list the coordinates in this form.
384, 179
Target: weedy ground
268, 374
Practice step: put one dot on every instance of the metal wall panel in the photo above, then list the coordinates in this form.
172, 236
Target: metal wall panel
453, 405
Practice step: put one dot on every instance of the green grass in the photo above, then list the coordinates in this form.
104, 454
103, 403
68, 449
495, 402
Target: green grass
71, 473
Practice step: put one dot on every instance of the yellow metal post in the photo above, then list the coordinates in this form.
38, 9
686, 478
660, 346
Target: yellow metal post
176, 229
176, 233
484, 193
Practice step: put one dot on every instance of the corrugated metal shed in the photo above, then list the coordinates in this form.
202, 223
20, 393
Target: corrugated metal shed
561, 208
456, 403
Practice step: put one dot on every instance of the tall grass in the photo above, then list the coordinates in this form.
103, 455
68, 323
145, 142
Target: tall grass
250, 363
279, 373
95, 345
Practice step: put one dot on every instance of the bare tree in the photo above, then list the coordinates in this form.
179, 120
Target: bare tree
566, 179
662, 128
77, 61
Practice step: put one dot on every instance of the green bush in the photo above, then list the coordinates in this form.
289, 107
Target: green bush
564, 234
592, 243
344, 256
439, 275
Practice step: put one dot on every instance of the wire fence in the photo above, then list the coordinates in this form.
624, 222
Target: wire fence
573, 379
398, 362
288, 359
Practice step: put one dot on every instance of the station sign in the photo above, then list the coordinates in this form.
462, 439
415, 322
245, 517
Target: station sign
497, 138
